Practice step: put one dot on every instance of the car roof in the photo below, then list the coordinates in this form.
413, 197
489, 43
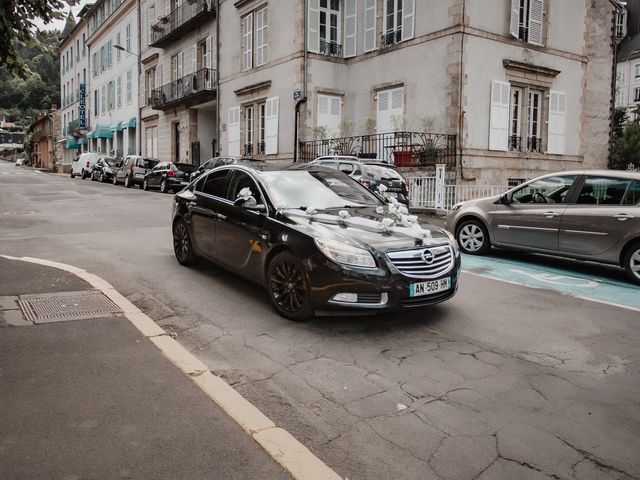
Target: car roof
606, 173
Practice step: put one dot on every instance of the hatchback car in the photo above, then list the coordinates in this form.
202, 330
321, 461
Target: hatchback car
168, 176
316, 239
371, 173
104, 169
585, 215
133, 170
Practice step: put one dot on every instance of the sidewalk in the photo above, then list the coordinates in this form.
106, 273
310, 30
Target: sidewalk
94, 398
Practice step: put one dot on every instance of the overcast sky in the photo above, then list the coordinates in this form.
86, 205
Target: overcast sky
59, 24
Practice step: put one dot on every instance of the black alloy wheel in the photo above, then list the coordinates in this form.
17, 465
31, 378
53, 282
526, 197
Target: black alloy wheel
288, 287
163, 186
145, 185
473, 238
182, 246
127, 181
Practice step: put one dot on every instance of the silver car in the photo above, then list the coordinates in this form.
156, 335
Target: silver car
586, 215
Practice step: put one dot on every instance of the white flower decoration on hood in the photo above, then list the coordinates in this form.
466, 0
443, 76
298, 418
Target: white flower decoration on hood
245, 193
381, 188
380, 209
386, 223
311, 211
343, 214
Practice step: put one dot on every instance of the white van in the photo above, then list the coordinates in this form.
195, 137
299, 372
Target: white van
83, 165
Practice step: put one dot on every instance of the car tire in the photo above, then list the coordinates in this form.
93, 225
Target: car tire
127, 181
288, 287
473, 237
84, 174
145, 185
182, 245
632, 262
163, 186
72, 175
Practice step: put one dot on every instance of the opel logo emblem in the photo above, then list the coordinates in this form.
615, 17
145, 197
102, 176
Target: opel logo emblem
428, 257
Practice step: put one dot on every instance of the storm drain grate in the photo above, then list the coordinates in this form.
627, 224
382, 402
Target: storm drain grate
61, 307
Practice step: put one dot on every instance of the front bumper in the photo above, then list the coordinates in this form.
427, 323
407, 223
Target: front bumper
379, 290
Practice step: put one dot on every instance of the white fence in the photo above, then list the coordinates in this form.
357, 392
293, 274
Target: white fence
423, 192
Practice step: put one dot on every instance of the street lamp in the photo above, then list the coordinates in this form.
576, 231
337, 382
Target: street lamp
138, 129
122, 49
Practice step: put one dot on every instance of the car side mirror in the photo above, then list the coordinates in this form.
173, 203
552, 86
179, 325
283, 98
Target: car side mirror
505, 199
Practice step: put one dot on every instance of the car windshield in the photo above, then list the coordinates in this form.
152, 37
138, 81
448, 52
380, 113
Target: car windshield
184, 167
317, 189
111, 161
378, 171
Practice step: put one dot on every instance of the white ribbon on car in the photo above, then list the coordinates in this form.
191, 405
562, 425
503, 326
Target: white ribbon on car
245, 194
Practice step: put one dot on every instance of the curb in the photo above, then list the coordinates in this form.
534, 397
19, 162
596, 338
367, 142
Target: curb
292, 455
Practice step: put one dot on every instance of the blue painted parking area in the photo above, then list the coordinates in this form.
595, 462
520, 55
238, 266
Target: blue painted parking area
580, 283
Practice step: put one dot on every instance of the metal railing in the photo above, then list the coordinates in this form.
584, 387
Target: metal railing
534, 144
403, 149
254, 149
178, 17
515, 143
391, 38
422, 192
331, 49
200, 81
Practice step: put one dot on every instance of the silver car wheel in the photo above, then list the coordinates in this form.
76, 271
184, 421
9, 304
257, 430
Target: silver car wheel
633, 264
471, 237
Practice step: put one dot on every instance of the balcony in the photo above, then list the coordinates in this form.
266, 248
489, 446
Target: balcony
515, 143
190, 90
251, 149
188, 16
534, 144
403, 149
391, 38
330, 49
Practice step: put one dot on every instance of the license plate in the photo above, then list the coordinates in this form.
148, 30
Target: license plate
429, 288
392, 194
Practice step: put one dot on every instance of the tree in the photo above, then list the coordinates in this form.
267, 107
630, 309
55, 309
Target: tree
626, 148
17, 26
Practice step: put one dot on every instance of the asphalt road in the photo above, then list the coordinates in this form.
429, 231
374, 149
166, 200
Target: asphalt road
519, 379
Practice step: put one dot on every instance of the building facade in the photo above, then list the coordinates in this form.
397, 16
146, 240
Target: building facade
178, 82
113, 41
44, 151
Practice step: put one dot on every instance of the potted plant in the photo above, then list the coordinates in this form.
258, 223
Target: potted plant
429, 151
402, 149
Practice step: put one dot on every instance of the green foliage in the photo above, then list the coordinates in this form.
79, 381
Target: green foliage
22, 97
619, 121
626, 148
17, 28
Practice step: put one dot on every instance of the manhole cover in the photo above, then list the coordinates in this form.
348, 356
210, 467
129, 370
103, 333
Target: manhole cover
60, 307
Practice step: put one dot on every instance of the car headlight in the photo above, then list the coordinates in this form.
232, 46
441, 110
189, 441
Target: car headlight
346, 254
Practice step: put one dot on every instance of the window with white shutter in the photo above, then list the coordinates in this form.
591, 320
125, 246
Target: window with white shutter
515, 18
261, 37
271, 126
389, 107
330, 114
408, 19
557, 123
247, 42
151, 18
313, 26
350, 28
206, 60
142, 88
369, 25
527, 20
535, 21
499, 116
233, 132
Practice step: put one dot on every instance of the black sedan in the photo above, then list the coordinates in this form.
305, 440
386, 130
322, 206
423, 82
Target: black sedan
168, 176
221, 161
104, 169
317, 240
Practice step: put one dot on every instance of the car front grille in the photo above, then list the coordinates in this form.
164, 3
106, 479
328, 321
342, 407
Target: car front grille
430, 262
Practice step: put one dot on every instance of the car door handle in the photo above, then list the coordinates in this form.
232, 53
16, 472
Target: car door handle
221, 216
551, 214
623, 216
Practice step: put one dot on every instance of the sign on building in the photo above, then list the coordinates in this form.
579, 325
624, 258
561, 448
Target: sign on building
83, 114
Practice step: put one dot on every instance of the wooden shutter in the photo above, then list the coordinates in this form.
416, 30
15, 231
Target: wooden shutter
557, 123
233, 132
515, 18
329, 113
247, 42
535, 21
499, 116
271, 127
180, 65
350, 28
141, 91
369, 25
150, 22
335, 112
390, 103
313, 26
207, 63
261, 36
195, 57
408, 19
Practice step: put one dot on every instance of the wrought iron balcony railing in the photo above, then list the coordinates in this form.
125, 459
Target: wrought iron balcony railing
534, 144
515, 143
391, 38
180, 21
403, 149
195, 88
332, 49
251, 149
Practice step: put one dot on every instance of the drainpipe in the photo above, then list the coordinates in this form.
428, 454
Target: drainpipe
461, 112
215, 154
614, 71
139, 119
304, 86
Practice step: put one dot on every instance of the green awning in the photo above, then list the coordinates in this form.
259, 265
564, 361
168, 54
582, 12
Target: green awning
72, 142
131, 123
120, 126
102, 131
83, 141
90, 135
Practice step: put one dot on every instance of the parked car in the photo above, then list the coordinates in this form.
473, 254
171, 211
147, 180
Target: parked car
585, 215
105, 168
83, 164
370, 173
133, 170
168, 176
220, 161
316, 239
